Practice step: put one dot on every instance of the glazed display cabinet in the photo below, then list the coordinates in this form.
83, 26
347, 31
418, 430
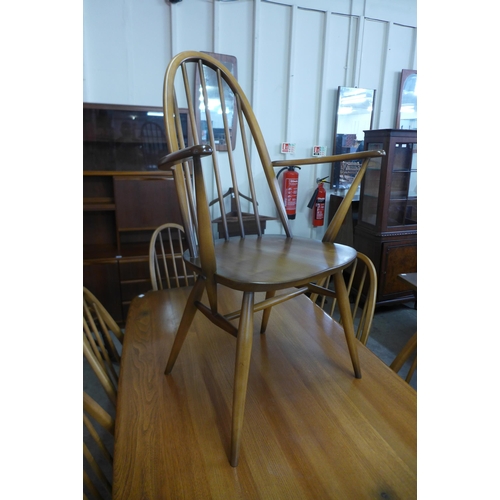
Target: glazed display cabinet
387, 221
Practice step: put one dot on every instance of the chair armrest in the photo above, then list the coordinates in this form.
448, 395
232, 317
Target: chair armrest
361, 155
182, 155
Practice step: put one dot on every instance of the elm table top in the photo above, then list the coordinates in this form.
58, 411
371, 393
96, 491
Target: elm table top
311, 429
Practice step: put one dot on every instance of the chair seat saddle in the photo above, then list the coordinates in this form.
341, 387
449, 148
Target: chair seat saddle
273, 262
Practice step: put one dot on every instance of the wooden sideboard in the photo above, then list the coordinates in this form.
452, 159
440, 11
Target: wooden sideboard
117, 229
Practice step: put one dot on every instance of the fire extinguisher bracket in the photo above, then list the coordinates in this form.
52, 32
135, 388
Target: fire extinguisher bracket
313, 199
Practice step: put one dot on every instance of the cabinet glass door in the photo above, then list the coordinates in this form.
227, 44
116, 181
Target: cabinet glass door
402, 209
130, 138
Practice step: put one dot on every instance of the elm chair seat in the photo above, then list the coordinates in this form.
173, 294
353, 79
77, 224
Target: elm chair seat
280, 265
258, 263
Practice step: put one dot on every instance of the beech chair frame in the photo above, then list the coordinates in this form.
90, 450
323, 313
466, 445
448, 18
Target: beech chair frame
99, 333
246, 263
94, 414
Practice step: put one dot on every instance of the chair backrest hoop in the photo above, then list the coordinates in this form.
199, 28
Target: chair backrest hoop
166, 263
101, 334
249, 134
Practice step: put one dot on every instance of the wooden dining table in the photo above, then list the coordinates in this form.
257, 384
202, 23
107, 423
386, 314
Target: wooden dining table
311, 429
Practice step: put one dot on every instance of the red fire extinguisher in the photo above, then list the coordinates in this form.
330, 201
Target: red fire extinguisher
317, 203
290, 189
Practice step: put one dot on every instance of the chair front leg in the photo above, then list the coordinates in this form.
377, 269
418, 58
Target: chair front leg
347, 324
186, 320
242, 366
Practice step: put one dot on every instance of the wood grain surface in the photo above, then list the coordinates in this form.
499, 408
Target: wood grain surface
311, 429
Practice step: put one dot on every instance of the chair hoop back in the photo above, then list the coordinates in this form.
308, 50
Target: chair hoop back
239, 179
101, 335
167, 267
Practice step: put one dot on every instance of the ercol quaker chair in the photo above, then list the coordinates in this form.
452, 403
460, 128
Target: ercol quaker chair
166, 263
98, 423
99, 438
101, 335
361, 277
246, 263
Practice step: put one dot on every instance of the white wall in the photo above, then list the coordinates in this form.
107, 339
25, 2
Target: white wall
292, 57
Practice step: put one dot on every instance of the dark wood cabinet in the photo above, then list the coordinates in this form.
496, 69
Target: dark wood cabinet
386, 229
125, 198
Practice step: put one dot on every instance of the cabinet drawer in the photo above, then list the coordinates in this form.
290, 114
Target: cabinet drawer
397, 258
134, 278
145, 203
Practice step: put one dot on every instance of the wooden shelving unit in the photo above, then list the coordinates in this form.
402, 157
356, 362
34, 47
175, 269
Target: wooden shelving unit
123, 203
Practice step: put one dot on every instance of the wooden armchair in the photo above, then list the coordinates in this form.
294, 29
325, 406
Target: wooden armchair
100, 425
101, 337
279, 265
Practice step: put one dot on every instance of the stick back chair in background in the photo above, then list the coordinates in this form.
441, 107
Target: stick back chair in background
361, 278
101, 338
100, 427
245, 263
166, 263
